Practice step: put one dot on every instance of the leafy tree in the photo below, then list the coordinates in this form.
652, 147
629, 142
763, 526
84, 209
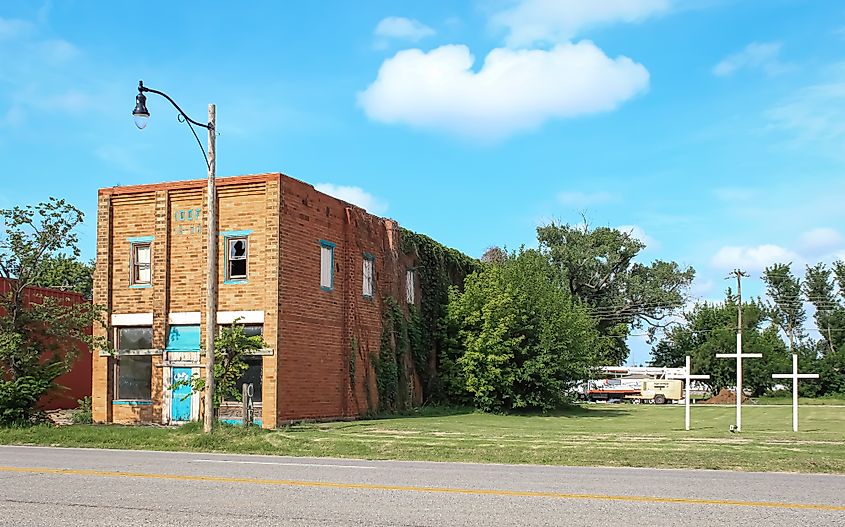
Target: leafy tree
69, 274
494, 255
39, 337
710, 328
825, 289
518, 338
229, 365
598, 267
787, 309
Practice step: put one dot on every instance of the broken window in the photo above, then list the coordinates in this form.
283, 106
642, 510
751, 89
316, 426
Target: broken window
141, 271
236, 258
253, 373
134, 338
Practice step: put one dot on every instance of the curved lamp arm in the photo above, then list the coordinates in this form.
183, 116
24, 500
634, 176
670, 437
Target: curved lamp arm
183, 117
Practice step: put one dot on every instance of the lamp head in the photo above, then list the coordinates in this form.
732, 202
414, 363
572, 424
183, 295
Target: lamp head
140, 113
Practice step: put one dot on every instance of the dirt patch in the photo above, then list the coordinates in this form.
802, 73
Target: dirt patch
61, 417
725, 397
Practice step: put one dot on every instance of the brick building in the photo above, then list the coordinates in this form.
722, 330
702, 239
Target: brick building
306, 271
76, 383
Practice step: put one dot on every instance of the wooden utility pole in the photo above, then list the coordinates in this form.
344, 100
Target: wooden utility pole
739, 355
211, 279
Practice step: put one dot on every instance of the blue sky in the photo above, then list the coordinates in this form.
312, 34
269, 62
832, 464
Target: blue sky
713, 129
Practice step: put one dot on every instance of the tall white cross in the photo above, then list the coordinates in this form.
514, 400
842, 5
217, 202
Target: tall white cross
795, 376
739, 355
687, 377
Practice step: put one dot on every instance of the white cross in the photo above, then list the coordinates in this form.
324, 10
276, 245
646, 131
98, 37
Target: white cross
739, 356
795, 376
687, 377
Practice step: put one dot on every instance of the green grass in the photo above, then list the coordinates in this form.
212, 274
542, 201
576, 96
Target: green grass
595, 435
787, 399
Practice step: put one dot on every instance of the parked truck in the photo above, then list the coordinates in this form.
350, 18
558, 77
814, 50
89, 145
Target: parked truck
658, 391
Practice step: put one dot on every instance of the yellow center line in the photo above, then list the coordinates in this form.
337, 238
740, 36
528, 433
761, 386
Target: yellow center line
408, 488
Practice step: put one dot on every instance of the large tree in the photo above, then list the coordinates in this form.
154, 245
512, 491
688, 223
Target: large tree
519, 340
710, 328
825, 288
67, 273
787, 308
599, 267
39, 337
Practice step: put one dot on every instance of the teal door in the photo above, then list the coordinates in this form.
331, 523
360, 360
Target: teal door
180, 409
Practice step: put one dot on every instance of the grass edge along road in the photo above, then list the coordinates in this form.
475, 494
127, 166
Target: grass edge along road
590, 435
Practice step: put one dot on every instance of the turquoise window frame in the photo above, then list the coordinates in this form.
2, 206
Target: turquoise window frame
371, 258
226, 236
331, 246
139, 240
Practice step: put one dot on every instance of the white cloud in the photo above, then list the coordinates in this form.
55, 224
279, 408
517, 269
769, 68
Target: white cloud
821, 240
638, 233
753, 258
401, 28
757, 55
530, 22
354, 195
513, 91
582, 199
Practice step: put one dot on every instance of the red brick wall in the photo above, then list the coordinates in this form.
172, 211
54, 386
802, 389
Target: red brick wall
75, 384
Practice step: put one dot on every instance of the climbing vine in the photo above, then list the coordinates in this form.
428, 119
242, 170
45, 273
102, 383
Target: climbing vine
438, 269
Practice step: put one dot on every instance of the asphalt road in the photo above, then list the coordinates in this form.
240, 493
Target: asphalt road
49, 486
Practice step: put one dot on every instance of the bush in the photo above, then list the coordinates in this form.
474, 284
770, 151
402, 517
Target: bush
83, 415
518, 339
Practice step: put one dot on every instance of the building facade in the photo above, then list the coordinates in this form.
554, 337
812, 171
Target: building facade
304, 270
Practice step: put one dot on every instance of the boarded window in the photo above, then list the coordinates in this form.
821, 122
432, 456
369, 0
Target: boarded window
237, 251
326, 265
410, 285
141, 271
134, 378
137, 338
369, 276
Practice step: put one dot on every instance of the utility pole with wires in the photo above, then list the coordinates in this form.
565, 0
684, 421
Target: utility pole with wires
739, 274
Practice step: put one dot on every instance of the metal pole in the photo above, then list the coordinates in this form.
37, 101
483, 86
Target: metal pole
686, 395
795, 392
739, 352
211, 278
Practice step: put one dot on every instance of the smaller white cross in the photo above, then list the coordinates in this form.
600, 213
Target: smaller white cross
687, 377
795, 376
739, 356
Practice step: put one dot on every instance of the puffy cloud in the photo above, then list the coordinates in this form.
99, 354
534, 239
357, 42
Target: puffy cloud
752, 258
757, 55
513, 91
582, 199
821, 240
354, 195
400, 28
531, 22
637, 232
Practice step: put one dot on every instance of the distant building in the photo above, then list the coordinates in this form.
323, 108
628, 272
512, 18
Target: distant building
304, 270
76, 383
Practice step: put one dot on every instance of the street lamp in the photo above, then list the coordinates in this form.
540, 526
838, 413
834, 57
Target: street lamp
142, 115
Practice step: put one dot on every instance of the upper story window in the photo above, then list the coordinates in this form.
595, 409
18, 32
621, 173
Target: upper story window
410, 285
369, 275
141, 263
237, 253
326, 265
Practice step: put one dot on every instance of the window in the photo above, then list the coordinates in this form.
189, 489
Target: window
410, 284
236, 258
134, 378
135, 338
183, 338
141, 273
326, 265
253, 373
369, 275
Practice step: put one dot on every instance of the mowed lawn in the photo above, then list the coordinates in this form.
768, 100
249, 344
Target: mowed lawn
591, 435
